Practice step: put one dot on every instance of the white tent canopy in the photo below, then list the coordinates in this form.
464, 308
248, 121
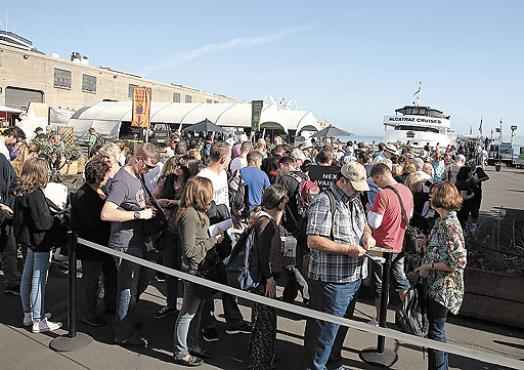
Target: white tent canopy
222, 114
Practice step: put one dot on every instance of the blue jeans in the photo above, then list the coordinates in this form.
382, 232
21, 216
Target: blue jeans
437, 315
188, 325
32, 285
331, 298
132, 281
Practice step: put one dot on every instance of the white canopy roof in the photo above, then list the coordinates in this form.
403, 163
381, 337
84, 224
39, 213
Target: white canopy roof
3, 108
222, 114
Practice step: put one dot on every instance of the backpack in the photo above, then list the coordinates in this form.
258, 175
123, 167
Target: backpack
302, 204
242, 264
412, 316
237, 193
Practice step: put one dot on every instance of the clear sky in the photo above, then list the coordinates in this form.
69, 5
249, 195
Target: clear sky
349, 63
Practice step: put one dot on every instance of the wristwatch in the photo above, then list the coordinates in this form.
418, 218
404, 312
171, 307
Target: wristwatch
136, 215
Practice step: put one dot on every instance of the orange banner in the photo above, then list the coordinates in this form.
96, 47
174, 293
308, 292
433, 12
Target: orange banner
141, 107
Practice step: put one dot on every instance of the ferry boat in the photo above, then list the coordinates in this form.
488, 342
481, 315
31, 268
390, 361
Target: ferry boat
418, 125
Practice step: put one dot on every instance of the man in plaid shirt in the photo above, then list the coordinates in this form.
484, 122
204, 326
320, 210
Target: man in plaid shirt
337, 266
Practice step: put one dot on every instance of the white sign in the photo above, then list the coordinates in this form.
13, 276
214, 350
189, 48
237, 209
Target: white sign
415, 119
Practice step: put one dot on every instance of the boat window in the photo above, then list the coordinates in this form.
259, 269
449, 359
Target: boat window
416, 128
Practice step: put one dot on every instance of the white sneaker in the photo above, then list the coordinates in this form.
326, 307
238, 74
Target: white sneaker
44, 325
28, 318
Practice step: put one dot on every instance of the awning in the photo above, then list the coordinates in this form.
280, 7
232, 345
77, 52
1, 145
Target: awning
221, 114
3, 108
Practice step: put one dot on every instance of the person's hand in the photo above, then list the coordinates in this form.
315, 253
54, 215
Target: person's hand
6, 209
356, 251
368, 241
219, 238
423, 270
270, 290
147, 214
166, 203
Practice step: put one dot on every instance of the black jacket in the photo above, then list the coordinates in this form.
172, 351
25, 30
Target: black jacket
86, 206
33, 220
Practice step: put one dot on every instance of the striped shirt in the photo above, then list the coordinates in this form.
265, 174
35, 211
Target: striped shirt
347, 225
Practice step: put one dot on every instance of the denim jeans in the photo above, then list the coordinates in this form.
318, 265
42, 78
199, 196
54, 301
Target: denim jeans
91, 271
32, 285
437, 315
320, 336
188, 325
398, 278
132, 281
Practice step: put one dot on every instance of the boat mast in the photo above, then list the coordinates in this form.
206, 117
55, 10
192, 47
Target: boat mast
418, 94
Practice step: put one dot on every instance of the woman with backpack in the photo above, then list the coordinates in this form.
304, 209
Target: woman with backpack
443, 267
33, 221
269, 263
193, 224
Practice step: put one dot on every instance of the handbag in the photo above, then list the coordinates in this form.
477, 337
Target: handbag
155, 227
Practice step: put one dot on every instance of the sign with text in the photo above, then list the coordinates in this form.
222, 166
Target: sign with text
323, 175
141, 107
256, 112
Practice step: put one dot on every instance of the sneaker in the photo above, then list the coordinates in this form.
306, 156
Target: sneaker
28, 318
12, 290
239, 327
164, 312
135, 340
210, 335
44, 325
95, 322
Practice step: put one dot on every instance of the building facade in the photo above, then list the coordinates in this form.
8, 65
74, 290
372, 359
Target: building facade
28, 75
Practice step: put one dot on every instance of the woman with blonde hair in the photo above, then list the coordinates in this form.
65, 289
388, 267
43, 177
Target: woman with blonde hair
193, 224
33, 221
113, 152
443, 267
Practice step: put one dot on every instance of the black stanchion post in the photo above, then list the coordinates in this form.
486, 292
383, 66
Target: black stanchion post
73, 340
380, 356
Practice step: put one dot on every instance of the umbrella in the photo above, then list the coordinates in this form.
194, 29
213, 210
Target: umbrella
331, 131
204, 126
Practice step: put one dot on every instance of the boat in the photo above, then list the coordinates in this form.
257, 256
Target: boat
417, 125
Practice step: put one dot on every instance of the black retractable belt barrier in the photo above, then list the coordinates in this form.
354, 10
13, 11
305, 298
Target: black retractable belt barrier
73, 340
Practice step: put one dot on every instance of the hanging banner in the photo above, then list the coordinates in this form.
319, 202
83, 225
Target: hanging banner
141, 107
256, 111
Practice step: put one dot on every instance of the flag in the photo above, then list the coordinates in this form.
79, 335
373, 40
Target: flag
480, 127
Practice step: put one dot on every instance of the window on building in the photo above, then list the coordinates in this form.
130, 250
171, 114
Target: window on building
176, 98
209, 101
62, 78
188, 99
216, 102
131, 89
89, 83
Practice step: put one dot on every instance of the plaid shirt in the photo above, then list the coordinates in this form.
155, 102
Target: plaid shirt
348, 227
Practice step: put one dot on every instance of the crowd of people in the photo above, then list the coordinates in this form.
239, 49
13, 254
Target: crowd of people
314, 211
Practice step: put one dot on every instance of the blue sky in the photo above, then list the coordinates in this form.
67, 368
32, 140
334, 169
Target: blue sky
349, 63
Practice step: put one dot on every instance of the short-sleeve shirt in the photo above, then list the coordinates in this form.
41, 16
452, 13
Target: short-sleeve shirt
256, 181
127, 192
390, 234
348, 225
220, 185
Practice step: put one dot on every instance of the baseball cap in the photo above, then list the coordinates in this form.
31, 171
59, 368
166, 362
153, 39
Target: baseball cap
356, 174
387, 162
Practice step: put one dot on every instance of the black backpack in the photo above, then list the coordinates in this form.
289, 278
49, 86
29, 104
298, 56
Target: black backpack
242, 265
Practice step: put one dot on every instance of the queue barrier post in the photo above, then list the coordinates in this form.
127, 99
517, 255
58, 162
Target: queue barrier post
73, 340
380, 355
